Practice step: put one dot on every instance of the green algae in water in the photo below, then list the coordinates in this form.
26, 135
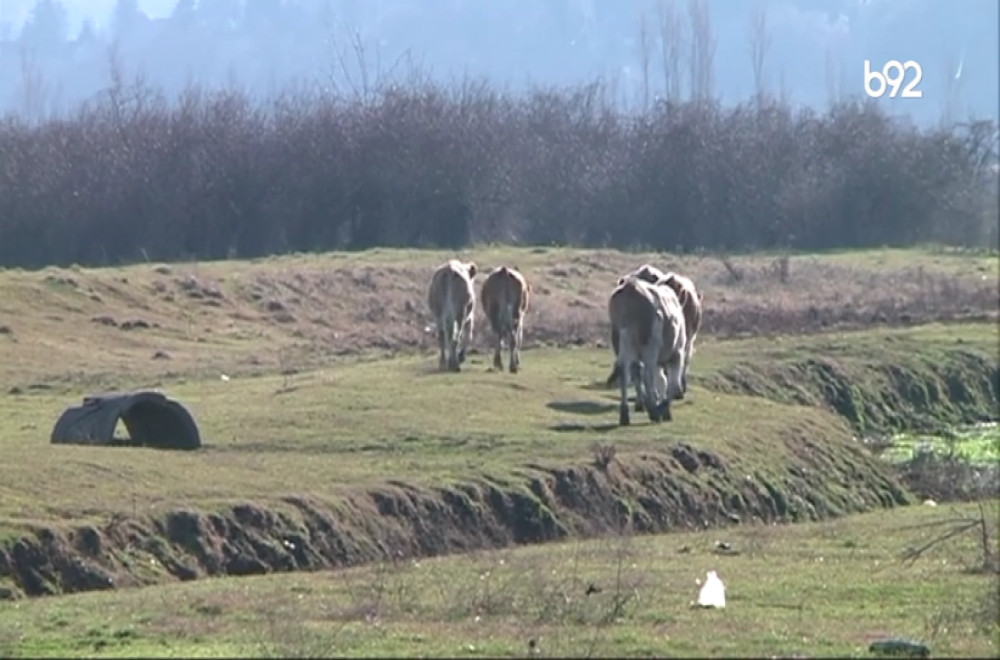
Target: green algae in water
977, 443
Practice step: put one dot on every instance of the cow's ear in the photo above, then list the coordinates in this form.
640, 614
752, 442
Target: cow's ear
471, 266
621, 280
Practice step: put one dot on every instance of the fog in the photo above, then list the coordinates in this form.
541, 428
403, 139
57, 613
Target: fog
55, 55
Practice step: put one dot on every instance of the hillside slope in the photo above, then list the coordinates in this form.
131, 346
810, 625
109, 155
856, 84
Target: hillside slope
103, 327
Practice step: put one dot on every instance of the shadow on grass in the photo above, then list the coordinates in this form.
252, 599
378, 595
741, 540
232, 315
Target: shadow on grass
599, 386
578, 427
474, 362
583, 407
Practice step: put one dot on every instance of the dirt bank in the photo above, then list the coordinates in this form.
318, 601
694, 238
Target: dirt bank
912, 387
680, 487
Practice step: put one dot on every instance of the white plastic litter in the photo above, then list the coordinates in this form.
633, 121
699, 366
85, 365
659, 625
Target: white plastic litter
713, 592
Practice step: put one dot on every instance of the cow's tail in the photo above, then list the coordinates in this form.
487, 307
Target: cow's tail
448, 321
507, 317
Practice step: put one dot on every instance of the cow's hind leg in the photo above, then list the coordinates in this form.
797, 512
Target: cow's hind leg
623, 362
454, 349
498, 348
515, 347
463, 336
688, 351
650, 371
623, 413
660, 378
442, 347
653, 409
675, 375
636, 376
657, 410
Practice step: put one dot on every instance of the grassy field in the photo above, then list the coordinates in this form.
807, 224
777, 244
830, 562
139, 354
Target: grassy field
313, 381
76, 327
357, 424
792, 591
306, 398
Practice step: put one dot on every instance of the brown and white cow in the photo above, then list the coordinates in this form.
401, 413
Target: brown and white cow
452, 300
504, 298
646, 273
691, 302
650, 324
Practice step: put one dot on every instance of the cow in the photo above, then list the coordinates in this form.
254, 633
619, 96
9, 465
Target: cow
504, 299
452, 301
691, 301
650, 324
647, 273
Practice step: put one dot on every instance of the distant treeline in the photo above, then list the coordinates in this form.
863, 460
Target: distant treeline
216, 175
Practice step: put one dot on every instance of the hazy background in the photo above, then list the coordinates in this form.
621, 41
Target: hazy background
55, 54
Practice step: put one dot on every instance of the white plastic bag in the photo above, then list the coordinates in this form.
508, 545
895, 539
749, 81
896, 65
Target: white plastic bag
713, 592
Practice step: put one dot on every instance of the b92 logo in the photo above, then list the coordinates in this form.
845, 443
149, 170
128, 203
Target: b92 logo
891, 77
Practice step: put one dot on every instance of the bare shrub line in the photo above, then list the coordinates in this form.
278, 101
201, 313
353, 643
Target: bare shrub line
983, 527
404, 160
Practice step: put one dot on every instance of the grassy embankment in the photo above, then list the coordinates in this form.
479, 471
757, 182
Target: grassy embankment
815, 589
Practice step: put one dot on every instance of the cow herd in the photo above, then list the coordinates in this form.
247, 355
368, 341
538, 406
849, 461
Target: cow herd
654, 316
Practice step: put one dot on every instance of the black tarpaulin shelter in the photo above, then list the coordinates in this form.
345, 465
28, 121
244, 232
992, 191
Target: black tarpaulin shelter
151, 419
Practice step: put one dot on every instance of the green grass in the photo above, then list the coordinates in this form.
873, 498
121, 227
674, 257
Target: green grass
355, 425
811, 589
929, 377
332, 394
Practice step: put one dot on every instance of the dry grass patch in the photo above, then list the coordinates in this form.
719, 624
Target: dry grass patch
289, 313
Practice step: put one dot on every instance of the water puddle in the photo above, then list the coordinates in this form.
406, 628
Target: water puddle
976, 443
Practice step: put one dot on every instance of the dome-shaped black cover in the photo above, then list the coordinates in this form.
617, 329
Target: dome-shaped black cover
152, 420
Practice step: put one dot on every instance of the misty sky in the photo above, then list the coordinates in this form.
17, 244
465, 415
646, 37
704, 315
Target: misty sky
816, 45
820, 16
17, 11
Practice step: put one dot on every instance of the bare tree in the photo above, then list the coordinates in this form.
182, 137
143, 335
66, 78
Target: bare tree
671, 49
760, 43
116, 93
369, 78
126, 100
644, 58
702, 50
32, 86
831, 77
952, 88
784, 94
